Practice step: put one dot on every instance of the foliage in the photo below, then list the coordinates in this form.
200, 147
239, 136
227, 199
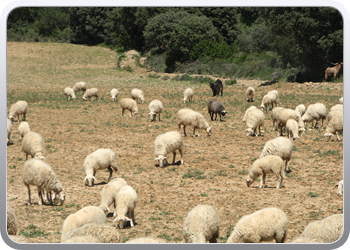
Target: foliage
32, 231
177, 33
212, 49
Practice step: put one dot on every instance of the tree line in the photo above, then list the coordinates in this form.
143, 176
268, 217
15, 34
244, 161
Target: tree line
306, 38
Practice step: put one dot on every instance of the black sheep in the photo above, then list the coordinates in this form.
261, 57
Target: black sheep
217, 87
216, 107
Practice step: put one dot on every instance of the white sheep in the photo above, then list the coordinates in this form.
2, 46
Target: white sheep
114, 94
137, 94
202, 224
269, 164
246, 112
328, 230
316, 112
9, 129
341, 100
40, 174
268, 99
33, 145
86, 215
19, 108
332, 114
146, 240
306, 240
280, 146
23, 129
284, 115
105, 233
337, 107
168, 143
109, 192
79, 86
340, 185
89, 93
250, 94
301, 109
155, 107
275, 92
68, 91
274, 116
100, 159
189, 117
263, 225
335, 125
292, 129
126, 200
129, 104
254, 120
188, 95
12, 224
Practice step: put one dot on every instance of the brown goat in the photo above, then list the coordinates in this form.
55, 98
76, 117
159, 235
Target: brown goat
333, 71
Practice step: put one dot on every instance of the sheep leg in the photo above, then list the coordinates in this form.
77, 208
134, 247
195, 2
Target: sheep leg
131, 216
174, 155
24, 117
182, 160
214, 238
159, 117
194, 132
28, 194
110, 173
259, 130
337, 135
184, 129
122, 112
216, 116
280, 238
40, 197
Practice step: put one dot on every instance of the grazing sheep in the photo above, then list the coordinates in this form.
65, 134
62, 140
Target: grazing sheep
279, 146
40, 174
109, 192
86, 215
335, 125
33, 145
83, 239
284, 115
147, 240
268, 164
79, 86
216, 107
155, 107
189, 117
328, 230
129, 104
301, 109
246, 112
341, 100
114, 94
202, 224
100, 159
274, 116
188, 95
306, 240
267, 100
168, 143
89, 93
19, 108
68, 91
254, 120
12, 225
137, 94
23, 129
263, 225
292, 129
216, 87
340, 185
250, 94
316, 112
126, 202
105, 233
9, 130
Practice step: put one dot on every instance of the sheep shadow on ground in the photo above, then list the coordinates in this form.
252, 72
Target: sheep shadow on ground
178, 163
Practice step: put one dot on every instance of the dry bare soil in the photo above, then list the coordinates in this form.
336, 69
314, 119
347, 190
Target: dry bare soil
214, 169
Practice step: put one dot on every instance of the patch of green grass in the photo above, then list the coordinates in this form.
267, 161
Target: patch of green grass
164, 236
328, 152
31, 232
311, 194
203, 195
243, 172
194, 174
155, 218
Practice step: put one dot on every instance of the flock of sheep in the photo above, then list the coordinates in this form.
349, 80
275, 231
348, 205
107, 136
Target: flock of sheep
89, 225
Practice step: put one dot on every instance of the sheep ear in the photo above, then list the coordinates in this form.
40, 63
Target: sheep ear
156, 159
93, 177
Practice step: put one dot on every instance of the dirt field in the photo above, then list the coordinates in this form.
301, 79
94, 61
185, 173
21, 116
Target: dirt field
214, 169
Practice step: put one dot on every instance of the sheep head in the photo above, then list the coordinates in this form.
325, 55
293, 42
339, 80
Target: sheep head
90, 179
208, 129
105, 209
152, 115
11, 117
249, 181
328, 135
84, 98
58, 198
249, 132
123, 219
262, 106
39, 156
162, 160
223, 113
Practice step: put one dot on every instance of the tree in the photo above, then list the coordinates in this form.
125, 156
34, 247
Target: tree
177, 33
